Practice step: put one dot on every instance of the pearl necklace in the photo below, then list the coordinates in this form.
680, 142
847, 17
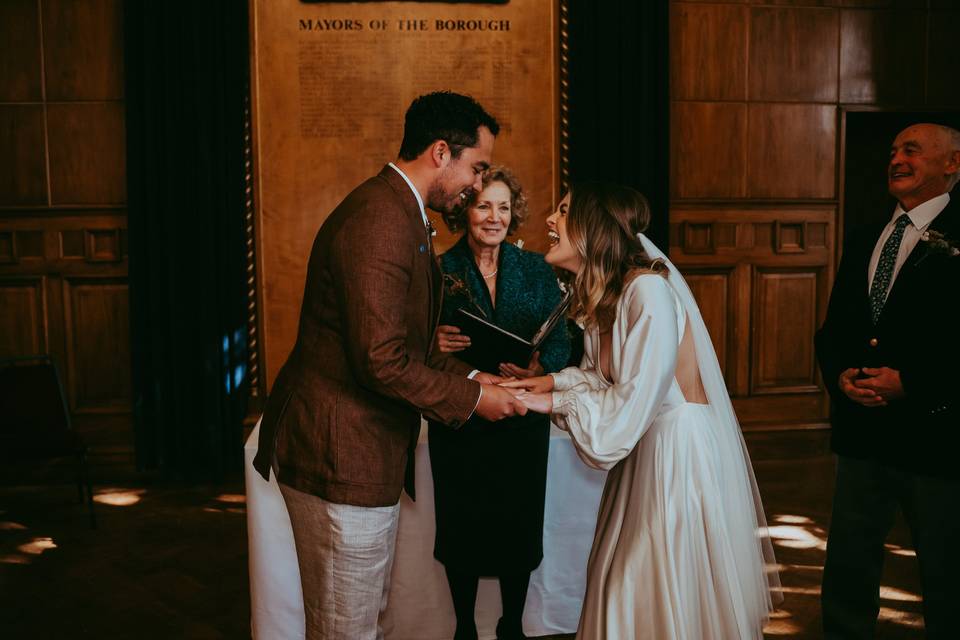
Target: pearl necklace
490, 275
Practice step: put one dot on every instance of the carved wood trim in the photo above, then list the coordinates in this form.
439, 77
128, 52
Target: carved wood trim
564, 81
249, 216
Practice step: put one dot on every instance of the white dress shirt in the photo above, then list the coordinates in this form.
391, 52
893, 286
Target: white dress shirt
920, 218
426, 223
423, 212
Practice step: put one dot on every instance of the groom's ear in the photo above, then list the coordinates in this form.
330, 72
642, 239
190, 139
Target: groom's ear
440, 153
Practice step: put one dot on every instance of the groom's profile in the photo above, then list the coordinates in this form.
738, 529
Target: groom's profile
343, 417
888, 351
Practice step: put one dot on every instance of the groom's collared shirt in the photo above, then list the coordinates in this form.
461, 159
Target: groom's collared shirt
416, 194
426, 223
920, 218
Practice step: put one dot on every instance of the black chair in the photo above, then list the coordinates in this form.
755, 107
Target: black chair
35, 422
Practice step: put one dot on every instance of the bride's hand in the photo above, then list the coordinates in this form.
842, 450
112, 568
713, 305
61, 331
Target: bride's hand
539, 384
539, 402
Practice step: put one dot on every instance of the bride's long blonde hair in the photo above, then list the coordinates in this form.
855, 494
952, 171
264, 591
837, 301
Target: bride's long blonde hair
603, 221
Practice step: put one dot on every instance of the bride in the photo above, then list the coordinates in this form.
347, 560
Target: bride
678, 550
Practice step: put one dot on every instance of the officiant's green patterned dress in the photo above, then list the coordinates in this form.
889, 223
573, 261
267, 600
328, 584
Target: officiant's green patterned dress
489, 478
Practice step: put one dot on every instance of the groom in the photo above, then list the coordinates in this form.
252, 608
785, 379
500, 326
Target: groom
889, 351
343, 417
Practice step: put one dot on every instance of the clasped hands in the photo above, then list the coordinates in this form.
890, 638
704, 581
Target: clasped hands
522, 395
876, 388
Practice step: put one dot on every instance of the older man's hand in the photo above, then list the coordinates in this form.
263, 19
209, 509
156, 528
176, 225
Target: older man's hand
883, 381
865, 396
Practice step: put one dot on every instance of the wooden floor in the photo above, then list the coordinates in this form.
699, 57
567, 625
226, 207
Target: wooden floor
171, 562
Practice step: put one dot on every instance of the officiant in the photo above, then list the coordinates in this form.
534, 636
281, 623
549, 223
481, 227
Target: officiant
489, 479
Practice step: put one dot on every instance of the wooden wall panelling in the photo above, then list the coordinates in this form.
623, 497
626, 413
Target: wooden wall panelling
87, 153
887, 4
772, 267
23, 316
714, 294
20, 35
23, 172
782, 411
943, 89
63, 256
83, 49
709, 52
96, 312
709, 141
793, 151
793, 54
875, 66
785, 318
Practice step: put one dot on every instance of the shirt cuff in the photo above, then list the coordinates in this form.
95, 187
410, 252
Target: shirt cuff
479, 395
472, 373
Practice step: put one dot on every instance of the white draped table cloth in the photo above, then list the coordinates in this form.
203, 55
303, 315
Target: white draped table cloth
419, 605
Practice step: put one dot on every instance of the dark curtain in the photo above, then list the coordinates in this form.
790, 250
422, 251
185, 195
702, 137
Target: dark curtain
619, 99
186, 81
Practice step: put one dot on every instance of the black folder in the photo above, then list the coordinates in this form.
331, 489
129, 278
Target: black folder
490, 345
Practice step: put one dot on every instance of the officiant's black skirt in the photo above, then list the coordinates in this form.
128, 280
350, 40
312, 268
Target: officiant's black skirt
489, 481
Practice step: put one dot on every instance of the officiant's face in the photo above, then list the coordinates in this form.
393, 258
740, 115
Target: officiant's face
460, 177
561, 254
920, 164
488, 218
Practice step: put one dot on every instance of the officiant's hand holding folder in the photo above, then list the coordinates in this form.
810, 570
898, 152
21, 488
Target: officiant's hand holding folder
490, 345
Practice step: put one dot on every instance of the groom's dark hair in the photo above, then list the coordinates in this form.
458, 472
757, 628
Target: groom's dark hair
447, 116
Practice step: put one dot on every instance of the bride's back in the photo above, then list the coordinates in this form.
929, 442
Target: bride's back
688, 372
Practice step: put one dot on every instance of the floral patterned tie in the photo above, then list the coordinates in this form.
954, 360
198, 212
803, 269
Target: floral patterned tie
884, 272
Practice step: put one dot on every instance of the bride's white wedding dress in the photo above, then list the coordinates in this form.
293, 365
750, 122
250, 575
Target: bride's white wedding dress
680, 547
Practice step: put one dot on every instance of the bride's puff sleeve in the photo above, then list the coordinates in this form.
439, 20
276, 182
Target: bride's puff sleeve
606, 421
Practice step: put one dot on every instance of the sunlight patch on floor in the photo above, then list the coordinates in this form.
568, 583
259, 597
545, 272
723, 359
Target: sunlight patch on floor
16, 558
892, 593
802, 591
240, 510
789, 519
11, 526
781, 624
793, 537
232, 498
116, 497
785, 568
897, 550
901, 618
37, 546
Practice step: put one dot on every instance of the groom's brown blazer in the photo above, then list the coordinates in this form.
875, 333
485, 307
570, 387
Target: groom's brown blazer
343, 416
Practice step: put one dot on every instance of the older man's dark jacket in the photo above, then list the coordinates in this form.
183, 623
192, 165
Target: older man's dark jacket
916, 334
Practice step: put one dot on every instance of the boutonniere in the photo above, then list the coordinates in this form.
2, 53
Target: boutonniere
937, 243
457, 287
519, 243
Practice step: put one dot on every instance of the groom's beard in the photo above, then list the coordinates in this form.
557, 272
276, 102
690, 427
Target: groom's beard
443, 202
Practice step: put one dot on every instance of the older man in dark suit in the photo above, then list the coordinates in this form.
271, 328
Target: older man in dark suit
889, 350
342, 420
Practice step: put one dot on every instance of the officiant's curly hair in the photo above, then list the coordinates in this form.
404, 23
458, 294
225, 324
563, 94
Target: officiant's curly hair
444, 115
457, 221
603, 221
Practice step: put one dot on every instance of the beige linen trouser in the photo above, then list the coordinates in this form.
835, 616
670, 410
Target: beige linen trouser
345, 555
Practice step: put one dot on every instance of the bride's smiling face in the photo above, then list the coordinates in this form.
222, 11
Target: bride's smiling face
561, 254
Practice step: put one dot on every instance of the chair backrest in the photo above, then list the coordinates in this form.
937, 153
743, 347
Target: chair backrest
33, 412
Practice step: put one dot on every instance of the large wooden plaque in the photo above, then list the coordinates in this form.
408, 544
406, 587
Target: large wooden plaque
331, 82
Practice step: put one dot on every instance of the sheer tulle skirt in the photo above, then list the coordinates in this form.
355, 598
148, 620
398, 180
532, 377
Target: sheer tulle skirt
676, 552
